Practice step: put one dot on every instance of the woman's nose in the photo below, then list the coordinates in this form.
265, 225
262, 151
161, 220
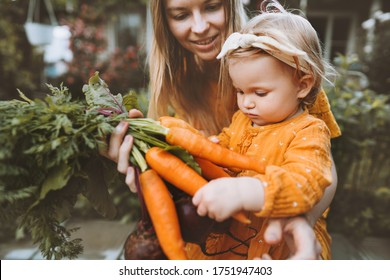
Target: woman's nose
200, 23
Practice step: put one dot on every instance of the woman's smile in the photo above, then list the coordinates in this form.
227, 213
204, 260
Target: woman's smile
206, 41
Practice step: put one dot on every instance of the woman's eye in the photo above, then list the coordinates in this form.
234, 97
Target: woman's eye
181, 16
214, 6
240, 92
261, 93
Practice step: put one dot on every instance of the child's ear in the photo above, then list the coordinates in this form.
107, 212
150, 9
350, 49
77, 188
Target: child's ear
305, 84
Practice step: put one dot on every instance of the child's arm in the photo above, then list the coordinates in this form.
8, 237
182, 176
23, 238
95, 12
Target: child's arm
294, 187
283, 191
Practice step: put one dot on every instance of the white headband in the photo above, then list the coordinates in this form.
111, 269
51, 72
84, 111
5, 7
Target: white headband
286, 54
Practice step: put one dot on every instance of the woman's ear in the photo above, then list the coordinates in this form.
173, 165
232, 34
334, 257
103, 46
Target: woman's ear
305, 84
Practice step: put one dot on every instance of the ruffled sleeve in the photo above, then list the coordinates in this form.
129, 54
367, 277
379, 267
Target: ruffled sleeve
321, 109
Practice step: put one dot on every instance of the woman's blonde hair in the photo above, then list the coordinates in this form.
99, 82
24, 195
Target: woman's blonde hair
177, 78
289, 29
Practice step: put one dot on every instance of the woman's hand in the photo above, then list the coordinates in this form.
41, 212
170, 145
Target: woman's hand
119, 148
299, 237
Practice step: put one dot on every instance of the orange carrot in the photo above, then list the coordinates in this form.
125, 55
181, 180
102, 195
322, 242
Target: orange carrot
210, 171
163, 214
199, 146
174, 170
179, 174
168, 121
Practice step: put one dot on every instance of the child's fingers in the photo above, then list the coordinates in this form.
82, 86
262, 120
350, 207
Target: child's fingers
197, 198
201, 210
197, 201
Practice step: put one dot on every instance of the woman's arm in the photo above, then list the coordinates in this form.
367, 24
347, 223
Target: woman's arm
315, 213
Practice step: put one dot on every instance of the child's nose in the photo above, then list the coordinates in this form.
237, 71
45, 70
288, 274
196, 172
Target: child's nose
249, 102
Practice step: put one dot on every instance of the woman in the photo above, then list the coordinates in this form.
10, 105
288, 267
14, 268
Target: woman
184, 75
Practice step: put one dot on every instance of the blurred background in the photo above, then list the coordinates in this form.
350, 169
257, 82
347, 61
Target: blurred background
66, 41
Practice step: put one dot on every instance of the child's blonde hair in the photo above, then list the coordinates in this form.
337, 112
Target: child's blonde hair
287, 29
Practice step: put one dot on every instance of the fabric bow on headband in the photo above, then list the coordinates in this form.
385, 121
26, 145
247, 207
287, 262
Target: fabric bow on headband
286, 54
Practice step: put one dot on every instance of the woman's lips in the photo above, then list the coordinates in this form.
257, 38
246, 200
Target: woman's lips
206, 44
205, 41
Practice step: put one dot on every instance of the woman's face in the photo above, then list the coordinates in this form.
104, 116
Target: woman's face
198, 25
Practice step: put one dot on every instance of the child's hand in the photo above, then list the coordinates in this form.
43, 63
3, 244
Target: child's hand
223, 197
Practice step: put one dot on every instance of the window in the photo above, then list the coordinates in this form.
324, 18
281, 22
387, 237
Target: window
337, 32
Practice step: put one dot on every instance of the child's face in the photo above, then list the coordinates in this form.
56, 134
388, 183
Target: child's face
198, 25
267, 91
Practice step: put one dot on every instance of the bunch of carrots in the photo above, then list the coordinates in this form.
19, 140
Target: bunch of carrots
164, 166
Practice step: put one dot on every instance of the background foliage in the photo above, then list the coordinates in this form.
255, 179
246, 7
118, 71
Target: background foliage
123, 69
362, 155
18, 62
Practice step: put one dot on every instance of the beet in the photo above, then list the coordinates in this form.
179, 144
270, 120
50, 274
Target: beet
195, 228
142, 244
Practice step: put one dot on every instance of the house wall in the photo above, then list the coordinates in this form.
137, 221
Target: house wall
338, 23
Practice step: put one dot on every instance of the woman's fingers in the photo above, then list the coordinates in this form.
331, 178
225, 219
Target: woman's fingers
134, 113
124, 154
130, 179
274, 232
116, 139
117, 136
298, 235
303, 242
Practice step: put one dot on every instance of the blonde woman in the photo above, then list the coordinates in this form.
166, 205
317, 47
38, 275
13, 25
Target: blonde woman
185, 80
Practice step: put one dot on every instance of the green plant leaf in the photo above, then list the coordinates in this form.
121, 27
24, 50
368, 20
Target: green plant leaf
98, 96
57, 178
96, 189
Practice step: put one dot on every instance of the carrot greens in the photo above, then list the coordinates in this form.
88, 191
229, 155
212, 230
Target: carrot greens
49, 157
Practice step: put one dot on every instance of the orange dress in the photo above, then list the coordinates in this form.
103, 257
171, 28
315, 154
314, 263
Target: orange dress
297, 155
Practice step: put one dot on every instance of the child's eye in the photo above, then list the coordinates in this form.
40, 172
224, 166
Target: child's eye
240, 92
261, 93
